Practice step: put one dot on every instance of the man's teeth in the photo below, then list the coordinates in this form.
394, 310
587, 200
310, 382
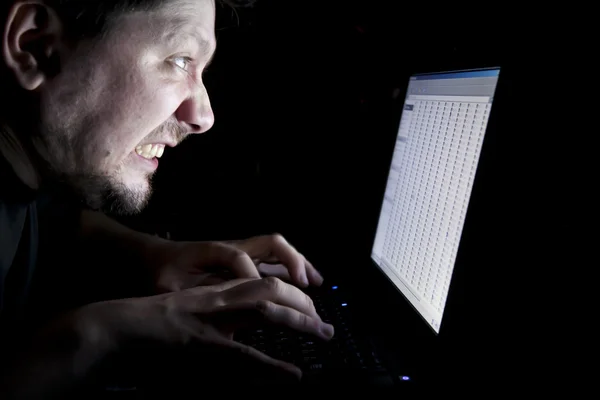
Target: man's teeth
150, 151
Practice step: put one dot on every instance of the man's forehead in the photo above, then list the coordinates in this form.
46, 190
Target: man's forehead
186, 32
172, 27
183, 27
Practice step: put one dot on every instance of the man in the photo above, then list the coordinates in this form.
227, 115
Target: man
93, 93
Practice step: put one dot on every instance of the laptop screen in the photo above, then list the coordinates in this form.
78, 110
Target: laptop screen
437, 150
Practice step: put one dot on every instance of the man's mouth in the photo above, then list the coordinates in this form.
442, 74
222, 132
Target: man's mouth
149, 151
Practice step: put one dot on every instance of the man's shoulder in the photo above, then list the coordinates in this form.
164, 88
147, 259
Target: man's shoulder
14, 204
12, 220
12, 190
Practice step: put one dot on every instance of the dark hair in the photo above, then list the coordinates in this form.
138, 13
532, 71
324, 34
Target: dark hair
87, 19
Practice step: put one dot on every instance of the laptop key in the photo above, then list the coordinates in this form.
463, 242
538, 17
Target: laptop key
315, 367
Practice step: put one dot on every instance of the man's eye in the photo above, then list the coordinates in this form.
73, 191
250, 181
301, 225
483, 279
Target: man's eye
182, 62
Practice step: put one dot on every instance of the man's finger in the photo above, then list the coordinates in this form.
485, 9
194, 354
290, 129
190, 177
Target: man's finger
277, 270
212, 280
221, 286
286, 316
289, 256
228, 256
251, 314
273, 290
280, 271
314, 276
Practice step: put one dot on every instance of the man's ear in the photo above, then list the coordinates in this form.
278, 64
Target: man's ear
30, 42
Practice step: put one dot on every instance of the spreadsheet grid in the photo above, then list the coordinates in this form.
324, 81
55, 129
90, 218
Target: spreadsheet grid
433, 169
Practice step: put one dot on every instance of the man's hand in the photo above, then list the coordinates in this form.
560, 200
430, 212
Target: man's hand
274, 256
209, 316
183, 265
203, 318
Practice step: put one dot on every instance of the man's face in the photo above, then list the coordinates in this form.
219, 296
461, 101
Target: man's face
109, 114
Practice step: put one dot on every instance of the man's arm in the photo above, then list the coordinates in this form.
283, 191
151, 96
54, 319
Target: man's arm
141, 264
202, 317
59, 356
102, 232
122, 257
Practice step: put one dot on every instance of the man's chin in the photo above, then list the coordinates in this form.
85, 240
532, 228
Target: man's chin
127, 201
113, 197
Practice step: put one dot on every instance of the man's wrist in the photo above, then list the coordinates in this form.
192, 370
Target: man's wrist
151, 248
97, 327
62, 354
114, 325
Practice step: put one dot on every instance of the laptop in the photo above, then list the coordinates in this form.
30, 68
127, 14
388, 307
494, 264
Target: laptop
422, 216
393, 319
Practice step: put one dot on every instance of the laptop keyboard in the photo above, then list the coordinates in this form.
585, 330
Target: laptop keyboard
348, 349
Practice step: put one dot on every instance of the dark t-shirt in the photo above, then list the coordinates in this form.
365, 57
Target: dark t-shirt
18, 242
37, 228
44, 268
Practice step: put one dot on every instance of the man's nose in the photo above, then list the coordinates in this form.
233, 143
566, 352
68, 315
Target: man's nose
197, 112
